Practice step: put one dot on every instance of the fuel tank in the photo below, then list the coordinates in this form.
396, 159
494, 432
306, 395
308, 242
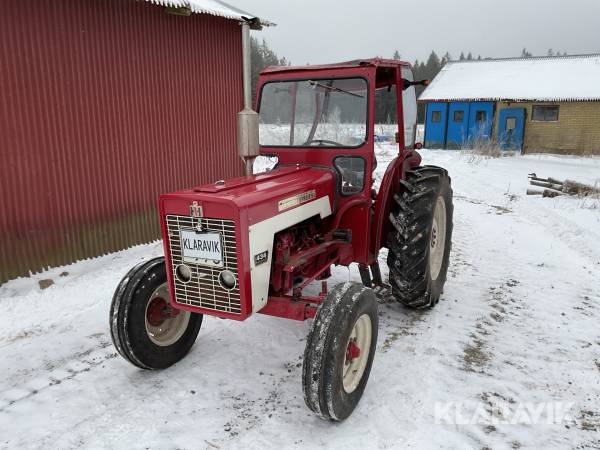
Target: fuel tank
218, 238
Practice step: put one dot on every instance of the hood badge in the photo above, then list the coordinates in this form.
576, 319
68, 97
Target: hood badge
196, 213
296, 200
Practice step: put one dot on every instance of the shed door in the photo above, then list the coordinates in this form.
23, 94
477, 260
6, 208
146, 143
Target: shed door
458, 123
435, 125
511, 126
481, 117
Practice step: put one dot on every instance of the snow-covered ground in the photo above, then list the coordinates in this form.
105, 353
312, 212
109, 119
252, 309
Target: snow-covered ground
510, 358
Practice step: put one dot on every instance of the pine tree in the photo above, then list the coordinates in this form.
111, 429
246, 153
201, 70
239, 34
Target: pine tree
445, 59
262, 56
469, 57
525, 53
433, 65
397, 55
462, 56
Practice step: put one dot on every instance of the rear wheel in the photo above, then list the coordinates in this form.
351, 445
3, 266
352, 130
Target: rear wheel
420, 241
339, 351
145, 329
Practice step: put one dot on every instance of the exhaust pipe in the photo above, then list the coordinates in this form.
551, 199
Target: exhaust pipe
247, 119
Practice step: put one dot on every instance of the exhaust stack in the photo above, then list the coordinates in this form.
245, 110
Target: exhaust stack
247, 119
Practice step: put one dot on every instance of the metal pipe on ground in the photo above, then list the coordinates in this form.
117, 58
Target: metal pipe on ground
546, 184
544, 193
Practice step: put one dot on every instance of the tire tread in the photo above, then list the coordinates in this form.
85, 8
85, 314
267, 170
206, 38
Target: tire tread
408, 241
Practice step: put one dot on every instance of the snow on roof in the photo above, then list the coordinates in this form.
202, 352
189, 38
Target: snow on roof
557, 78
213, 7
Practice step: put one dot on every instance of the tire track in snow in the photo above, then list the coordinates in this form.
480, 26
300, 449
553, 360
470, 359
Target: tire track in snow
56, 372
565, 230
247, 411
419, 336
490, 354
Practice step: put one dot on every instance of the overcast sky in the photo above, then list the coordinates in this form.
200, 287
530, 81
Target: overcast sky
313, 31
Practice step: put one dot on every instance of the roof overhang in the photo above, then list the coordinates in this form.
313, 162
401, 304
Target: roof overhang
212, 7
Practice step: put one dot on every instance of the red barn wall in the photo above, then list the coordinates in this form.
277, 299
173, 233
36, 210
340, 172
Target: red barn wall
104, 105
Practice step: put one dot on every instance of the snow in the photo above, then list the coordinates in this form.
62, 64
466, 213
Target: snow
517, 327
564, 78
212, 7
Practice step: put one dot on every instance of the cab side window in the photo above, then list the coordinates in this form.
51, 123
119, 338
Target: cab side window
409, 108
352, 173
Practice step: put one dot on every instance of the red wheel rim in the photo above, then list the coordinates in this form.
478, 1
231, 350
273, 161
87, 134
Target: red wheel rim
352, 352
158, 311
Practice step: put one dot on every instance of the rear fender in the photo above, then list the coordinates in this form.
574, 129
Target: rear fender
390, 184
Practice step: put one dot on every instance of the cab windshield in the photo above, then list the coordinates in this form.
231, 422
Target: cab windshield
314, 113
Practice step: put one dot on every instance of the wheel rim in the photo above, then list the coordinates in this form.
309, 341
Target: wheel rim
164, 324
357, 353
437, 239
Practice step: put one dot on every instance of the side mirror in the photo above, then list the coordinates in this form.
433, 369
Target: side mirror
407, 83
418, 146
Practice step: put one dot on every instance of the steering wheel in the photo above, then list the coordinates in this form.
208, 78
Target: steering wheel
324, 141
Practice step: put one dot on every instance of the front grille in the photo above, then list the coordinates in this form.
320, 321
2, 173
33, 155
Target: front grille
204, 289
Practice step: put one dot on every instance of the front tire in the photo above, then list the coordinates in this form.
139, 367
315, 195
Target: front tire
339, 351
421, 237
144, 328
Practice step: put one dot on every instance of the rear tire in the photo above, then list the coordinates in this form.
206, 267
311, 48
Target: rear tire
339, 351
421, 237
144, 328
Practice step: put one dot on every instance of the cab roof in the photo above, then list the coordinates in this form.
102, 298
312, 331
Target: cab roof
372, 62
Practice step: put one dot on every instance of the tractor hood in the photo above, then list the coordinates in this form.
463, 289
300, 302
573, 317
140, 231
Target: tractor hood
222, 186
262, 196
243, 214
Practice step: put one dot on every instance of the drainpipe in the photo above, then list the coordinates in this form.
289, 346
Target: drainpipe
247, 119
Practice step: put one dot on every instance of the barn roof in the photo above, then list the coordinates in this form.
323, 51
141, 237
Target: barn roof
213, 7
556, 78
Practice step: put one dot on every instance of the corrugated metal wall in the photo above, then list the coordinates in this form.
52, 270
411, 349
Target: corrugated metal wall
105, 104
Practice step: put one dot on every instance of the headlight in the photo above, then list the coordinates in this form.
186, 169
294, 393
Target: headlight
227, 279
184, 273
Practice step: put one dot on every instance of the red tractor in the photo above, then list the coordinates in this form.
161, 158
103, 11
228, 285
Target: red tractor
253, 244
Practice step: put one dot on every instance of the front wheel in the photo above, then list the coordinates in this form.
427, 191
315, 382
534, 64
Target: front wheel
144, 328
339, 351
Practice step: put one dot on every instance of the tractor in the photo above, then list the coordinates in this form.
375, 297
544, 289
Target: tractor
254, 244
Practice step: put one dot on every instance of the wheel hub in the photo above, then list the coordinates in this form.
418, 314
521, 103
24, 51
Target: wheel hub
164, 325
437, 239
357, 353
159, 311
352, 352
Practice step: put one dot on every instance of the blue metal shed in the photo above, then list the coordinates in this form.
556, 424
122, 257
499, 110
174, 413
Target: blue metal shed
455, 125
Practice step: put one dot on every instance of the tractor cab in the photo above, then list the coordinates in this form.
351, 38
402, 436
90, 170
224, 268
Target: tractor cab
331, 116
312, 114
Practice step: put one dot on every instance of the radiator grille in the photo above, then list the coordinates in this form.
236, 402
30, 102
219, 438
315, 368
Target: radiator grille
204, 289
